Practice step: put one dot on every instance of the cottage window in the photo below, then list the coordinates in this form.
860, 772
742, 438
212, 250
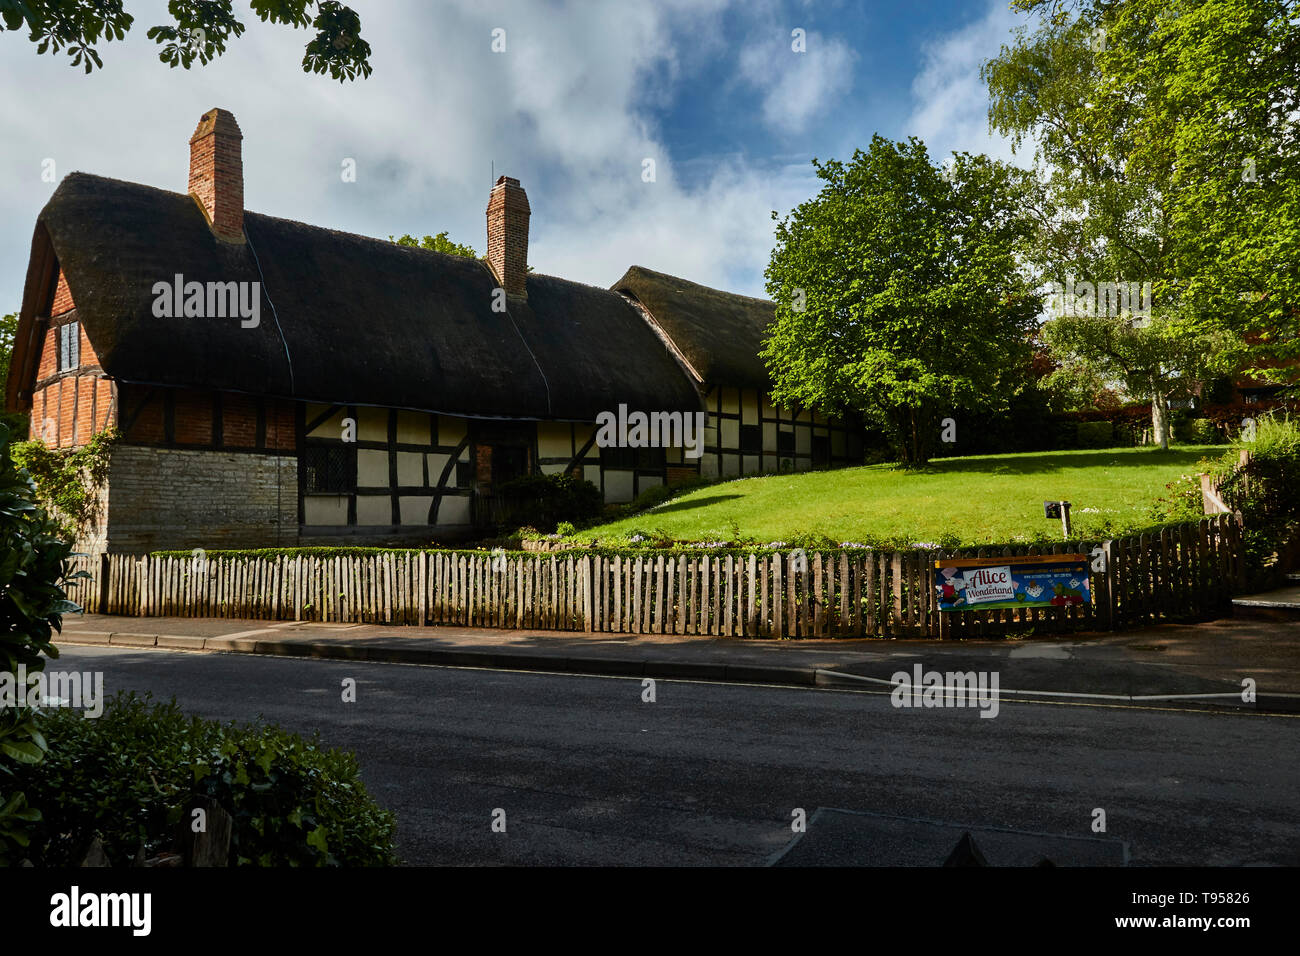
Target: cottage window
327, 469
651, 459
751, 439
785, 442
617, 459
69, 346
821, 451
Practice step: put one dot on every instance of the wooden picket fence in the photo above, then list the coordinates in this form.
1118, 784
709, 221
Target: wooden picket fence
1184, 572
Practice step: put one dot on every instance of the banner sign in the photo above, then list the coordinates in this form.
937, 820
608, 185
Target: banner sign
978, 584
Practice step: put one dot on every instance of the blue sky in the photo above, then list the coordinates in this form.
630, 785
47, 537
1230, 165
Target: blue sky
583, 94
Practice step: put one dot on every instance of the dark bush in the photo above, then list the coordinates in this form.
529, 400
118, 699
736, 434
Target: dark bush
1096, 434
1199, 431
543, 501
33, 567
128, 775
1266, 490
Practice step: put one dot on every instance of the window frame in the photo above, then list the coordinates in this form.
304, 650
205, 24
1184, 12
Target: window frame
349, 484
69, 346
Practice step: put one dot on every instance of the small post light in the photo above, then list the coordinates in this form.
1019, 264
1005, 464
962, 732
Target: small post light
1059, 509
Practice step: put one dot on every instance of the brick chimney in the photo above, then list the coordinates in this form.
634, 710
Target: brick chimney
507, 235
217, 173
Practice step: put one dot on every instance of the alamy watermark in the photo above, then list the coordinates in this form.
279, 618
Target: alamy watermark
624, 429
1111, 299
83, 690
952, 689
209, 300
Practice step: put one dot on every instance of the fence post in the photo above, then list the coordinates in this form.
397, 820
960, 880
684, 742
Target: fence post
1107, 579
103, 582
1238, 558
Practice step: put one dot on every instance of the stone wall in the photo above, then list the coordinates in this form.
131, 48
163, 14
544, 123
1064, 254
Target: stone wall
176, 499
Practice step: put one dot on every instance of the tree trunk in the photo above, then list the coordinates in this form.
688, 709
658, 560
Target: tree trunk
1160, 419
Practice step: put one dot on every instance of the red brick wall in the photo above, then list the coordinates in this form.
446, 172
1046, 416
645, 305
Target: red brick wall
49, 364
72, 406
148, 423
70, 410
281, 426
238, 420
193, 412
192, 417
62, 297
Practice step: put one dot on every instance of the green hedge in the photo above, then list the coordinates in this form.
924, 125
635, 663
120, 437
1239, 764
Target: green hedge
1087, 528
128, 775
1095, 434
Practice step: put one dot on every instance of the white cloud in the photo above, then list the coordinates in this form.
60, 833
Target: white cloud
797, 86
951, 109
565, 109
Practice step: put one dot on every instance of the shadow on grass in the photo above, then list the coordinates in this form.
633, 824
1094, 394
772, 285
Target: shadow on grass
1047, 462
687, 505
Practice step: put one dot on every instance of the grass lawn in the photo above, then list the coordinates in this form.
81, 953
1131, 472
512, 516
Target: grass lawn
984, 498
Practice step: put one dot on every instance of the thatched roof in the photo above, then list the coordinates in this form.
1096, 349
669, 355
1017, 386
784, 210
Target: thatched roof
720, 333
344, 318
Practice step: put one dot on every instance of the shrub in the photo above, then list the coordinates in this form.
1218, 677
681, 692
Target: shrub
545, 500
1182, 498
1095, 434
1266, 492
33, 567
128, 775
1199, 431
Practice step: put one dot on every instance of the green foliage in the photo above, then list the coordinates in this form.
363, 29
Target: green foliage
1165, 131
899, 292
199, 30
1182, 500
68, 480
1160, 359
1095, 434
1211, 88
438, 243
1267, 493
34, 564
1104, 217
128, 775
1198, 431
16, 422
8, 329
313, 552
545, 500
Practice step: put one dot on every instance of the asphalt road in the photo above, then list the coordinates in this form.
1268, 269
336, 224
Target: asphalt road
588, 773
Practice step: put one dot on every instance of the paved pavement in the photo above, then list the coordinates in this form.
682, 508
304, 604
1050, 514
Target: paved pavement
587, 772
1169, 660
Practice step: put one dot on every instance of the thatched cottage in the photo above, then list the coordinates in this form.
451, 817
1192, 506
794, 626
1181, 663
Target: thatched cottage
276, 383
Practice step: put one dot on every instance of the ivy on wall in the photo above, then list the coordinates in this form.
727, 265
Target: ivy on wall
68, 481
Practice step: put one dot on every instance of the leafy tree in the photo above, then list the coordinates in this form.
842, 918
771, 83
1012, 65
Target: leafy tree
8, 329
1105, 218
1160, 359
16, 421
438, 243
33, 567
1166, 128
199, 31
900, 295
